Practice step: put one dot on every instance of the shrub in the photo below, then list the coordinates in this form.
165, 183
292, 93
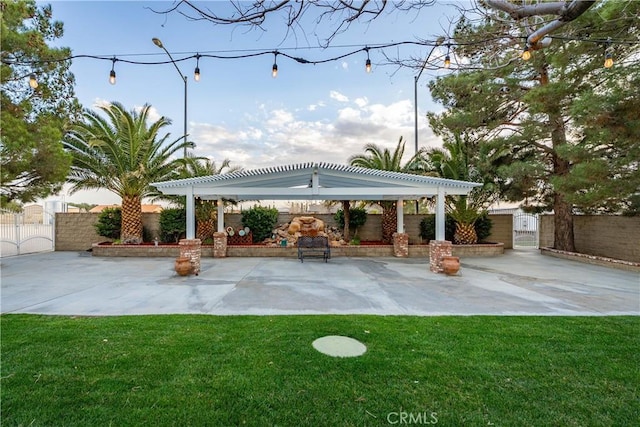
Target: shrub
261, 221
147, 235
109, 223
357, 218
173, 224
428, 227
482, 226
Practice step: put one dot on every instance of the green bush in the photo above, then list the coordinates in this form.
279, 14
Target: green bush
109, 223
482, 226
261, 221
428, 228
357, 218
173, 225
147, 235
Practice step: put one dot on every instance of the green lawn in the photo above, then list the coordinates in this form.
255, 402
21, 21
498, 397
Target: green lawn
258, 371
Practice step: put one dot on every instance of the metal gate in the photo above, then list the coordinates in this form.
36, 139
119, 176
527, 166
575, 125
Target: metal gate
525, 230
31, 231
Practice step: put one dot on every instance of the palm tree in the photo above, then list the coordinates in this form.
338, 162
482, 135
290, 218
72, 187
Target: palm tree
455, 160
206, 210
123, 155
375, 157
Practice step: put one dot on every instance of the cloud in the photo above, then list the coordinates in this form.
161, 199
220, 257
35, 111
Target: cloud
314, 107
152, 116
279, 117
361, 102
99, 102
278, 136
338, 96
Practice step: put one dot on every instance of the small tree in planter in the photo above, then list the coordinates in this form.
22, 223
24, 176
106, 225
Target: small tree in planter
109, 223
206, 214
357, 218
261, 221
465, 217
482, 226
428, 227
172, 224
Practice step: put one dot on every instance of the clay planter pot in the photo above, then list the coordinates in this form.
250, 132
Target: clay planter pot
450, 265
183, 266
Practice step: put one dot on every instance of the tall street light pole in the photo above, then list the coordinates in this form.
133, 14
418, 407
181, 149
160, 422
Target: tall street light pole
158, 43
415, 99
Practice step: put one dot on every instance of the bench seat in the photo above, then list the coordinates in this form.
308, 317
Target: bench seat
314, 246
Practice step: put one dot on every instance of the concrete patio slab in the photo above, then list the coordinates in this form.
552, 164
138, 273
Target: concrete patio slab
517, 283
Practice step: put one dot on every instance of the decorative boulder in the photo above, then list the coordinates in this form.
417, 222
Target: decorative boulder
306, 226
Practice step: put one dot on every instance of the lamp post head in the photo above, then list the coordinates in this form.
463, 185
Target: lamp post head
157, 42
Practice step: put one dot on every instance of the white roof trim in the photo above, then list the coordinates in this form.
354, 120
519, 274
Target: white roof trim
314, 181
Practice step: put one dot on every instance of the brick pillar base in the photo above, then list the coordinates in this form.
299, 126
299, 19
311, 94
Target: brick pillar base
437, 250
219, 244
401, 245
192, 249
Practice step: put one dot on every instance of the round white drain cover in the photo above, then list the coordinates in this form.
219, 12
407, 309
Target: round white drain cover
338, 346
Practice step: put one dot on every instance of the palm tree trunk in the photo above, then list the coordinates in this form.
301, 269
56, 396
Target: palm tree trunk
204, 229
389, 221
131, 220
346, 205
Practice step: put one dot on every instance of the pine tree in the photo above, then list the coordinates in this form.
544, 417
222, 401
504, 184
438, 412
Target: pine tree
33, 163
560, 129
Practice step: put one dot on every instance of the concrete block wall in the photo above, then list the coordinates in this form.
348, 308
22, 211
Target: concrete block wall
76, 231
502, 230
545, 231
609, 236
601, 235
500, 233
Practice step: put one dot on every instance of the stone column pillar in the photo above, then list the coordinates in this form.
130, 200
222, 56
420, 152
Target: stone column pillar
437, 250
219, 244
192, 249
401, 245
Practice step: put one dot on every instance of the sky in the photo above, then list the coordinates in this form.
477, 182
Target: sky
238, 111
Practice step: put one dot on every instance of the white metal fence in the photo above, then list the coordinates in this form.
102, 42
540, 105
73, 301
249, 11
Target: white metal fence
27, 232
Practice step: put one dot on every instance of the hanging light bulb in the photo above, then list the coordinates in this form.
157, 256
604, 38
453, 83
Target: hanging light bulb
447, 58
608, 60
608, 57
32, 81
196, 73
526, 54
274, 69
112, 73
367, 64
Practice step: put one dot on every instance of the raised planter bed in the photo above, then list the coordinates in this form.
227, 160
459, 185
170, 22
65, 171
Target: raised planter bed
363, 250
592, 259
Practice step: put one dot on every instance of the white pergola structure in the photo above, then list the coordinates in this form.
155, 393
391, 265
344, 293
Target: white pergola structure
315, 181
